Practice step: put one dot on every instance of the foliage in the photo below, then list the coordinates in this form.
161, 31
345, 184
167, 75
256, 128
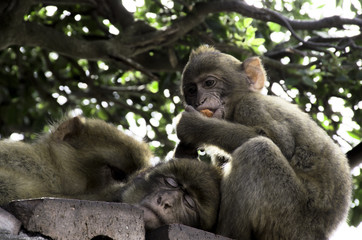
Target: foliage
98, 59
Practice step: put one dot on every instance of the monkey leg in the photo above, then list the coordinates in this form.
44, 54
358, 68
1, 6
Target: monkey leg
261, 195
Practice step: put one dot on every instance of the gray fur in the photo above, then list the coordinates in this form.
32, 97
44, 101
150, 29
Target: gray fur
286, 178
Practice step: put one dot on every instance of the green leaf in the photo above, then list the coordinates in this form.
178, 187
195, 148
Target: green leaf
274, 27
308, 81
42, 12
313, 67
257, 41
354, 135
250, 32
247, 22
102, 115
239, 25
153, 87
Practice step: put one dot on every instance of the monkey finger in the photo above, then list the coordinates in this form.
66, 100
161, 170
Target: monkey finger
190, 108
219, 113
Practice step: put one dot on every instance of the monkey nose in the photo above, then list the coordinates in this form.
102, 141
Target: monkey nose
167, 205
201, 101
165, 201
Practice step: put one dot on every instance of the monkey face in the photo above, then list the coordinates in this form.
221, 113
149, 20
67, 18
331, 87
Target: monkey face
205, 92
178, 191
212, 80
208, 78
170, 203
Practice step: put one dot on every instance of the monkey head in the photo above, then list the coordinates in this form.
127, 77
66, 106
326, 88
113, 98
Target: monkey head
210, 79
106, 150
178, 191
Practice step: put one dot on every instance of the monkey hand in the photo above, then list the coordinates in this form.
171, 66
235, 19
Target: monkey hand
190, 108
190, 124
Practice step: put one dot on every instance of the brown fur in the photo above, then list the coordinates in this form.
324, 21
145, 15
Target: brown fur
198, 180
286, 178
75, 160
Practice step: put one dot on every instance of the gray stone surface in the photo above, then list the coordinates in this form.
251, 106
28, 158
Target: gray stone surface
9, 223
179, 231
21, 236
82, 220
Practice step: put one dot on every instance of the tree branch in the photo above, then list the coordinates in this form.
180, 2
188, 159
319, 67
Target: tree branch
67, 2
203, 9
33, 34
272, 16
116, 13
131, 43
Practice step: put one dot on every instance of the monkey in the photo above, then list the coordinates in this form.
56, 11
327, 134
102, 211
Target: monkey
286, 178
181, 191
79, 157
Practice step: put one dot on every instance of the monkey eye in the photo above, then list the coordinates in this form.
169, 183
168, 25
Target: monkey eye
171, 182
209, 82
189, 201
191, 89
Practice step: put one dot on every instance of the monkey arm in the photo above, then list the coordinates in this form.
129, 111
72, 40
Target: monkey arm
183, 150
195, 129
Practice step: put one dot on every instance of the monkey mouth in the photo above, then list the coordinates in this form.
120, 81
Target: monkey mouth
151, 217
216, 112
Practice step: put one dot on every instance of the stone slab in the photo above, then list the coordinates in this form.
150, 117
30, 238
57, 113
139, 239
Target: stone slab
79, 219
21, 236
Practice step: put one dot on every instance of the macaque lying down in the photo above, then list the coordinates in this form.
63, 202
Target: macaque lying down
90, 159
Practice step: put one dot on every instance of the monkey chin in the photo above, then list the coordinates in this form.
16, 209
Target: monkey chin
151, 218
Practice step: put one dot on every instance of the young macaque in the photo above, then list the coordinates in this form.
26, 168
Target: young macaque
286, 178
78, 159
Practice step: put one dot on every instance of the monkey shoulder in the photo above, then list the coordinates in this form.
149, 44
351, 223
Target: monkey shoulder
283, 122
285, 113
258, 109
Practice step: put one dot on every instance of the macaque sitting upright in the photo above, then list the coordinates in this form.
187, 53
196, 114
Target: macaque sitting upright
286, 178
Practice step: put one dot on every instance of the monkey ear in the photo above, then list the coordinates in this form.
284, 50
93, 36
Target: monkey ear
68, 128
255, 73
